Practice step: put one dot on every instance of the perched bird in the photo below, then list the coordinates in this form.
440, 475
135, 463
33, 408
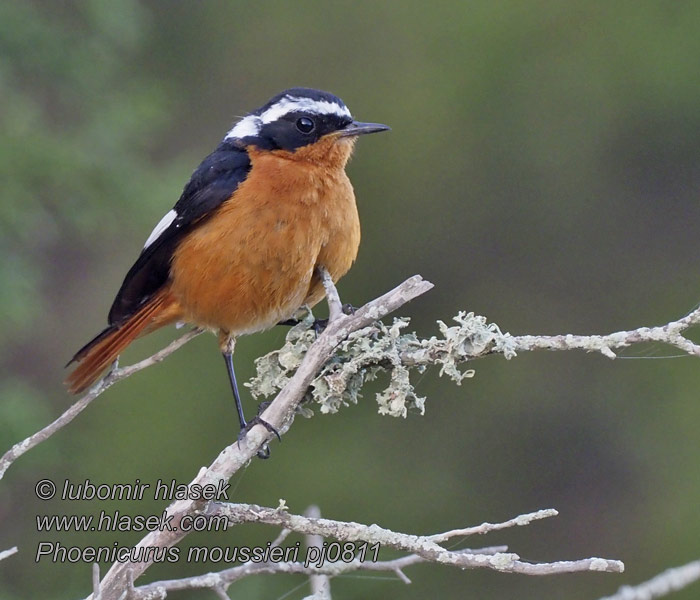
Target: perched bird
240, 250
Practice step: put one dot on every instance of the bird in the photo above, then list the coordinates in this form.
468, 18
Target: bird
241, 249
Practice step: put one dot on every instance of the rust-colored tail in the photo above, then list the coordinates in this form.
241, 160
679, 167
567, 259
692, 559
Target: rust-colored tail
99, 353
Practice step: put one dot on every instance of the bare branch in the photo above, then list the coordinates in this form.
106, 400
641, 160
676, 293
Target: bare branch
222, 579
671, 334
320, 584
335, 307
423, 546
105, 383
96, 581
663, 584
7, 553
518, 521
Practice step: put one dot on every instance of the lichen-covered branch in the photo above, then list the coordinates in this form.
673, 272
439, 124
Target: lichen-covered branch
662, 585
421, 548
379, 348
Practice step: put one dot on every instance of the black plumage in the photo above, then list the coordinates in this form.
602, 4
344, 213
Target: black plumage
212, 183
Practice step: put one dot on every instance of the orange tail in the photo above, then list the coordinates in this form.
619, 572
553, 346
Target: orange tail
98, 354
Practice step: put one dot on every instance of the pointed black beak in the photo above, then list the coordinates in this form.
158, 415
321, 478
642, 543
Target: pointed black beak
358, 128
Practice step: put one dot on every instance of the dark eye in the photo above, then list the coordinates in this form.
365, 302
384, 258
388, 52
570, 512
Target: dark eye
305, 125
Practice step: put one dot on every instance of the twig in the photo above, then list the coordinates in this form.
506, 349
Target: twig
96, 581
160, 589
335, 307
7, 553
671, 334
320, 584
106, 382
279, 414
518, 521
663, 584
423, 546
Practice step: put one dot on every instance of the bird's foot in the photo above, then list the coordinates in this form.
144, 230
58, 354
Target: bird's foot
264, 451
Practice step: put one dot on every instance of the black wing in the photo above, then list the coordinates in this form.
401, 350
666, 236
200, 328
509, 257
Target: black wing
211, 184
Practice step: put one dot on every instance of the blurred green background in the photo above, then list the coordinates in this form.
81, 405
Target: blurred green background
543, 169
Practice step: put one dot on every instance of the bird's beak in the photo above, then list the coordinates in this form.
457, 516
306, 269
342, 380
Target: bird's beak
358, 128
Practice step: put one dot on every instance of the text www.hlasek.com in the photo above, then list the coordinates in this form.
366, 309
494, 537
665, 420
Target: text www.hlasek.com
118, 522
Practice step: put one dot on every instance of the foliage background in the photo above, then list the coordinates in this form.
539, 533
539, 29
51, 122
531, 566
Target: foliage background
542, 169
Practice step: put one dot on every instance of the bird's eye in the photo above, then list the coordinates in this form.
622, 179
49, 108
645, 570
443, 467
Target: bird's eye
305, 125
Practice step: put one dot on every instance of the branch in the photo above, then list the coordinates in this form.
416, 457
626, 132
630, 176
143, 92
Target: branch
320, 584
422, 548
115, 375
670, 334
663, 584
223, 579
279, 414
335, 307
7, 553
379, 347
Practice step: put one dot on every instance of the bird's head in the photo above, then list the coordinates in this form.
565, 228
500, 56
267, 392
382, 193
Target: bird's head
302, 124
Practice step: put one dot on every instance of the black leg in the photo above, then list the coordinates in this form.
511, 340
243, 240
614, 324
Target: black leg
264, 452
228, 357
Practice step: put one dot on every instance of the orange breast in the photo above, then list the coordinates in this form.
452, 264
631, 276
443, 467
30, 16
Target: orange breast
251, 264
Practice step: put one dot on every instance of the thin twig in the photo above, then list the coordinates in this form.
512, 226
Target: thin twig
224, 578
423, 546
7, 553
668, 334
320, 584
96, 581
423, 549
335, 307
518, 521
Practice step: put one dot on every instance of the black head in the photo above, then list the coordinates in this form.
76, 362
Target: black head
298, 117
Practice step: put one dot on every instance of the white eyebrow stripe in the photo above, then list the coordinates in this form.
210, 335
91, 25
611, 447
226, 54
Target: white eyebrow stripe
163, 224
247, 126
252, 124
291, 104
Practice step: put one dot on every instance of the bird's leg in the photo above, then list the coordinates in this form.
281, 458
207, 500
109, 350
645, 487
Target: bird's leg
227, 343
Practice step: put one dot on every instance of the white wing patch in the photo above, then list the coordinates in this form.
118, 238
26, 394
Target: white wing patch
163, 224
252, 124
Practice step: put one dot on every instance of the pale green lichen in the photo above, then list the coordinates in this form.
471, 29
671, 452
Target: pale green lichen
375, 349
